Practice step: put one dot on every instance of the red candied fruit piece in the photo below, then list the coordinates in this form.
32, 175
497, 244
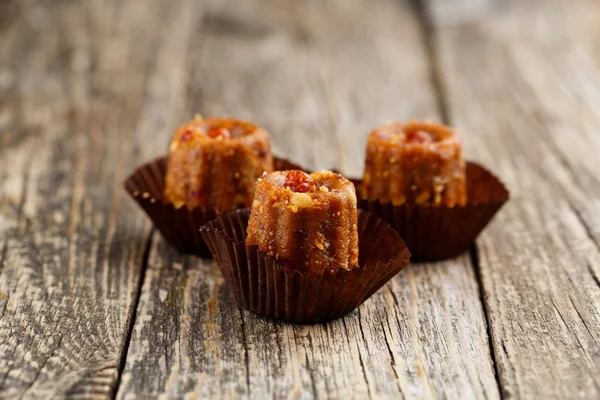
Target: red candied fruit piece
217, 132
418, 137
299, 182
186, 135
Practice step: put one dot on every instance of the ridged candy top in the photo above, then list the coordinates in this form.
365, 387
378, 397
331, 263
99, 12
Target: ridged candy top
214, 163
415, 163
305, 221
417, 133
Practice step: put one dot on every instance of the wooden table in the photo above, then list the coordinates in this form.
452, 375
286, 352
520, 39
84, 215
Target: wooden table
93, 302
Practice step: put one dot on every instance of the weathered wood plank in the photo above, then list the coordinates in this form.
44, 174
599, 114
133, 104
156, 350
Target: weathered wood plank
523, 83
319, 75
74, 78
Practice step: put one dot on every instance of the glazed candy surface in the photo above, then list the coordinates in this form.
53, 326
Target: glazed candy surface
415, 163
307, 222
215, 162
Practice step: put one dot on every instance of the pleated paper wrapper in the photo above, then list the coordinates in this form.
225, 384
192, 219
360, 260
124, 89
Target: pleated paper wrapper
435, 233
260, 284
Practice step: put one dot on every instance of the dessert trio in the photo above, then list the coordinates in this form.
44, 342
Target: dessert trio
288, 241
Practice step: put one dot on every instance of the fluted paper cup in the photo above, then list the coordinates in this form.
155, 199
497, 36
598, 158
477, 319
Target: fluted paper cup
440, 232
260, 284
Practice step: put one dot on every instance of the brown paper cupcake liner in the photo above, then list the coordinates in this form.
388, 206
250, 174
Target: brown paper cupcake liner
260, 284
435, 233
179, 226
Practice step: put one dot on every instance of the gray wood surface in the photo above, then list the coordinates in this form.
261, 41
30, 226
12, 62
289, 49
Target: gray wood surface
523, 84
74, 87
94, 305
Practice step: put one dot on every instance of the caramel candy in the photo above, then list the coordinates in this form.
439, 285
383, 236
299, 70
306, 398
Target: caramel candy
415, 163
215, 162
306, 222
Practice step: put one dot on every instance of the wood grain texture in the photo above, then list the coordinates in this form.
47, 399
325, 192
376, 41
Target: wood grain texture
523, 84
318, 75
74, 79
88, 90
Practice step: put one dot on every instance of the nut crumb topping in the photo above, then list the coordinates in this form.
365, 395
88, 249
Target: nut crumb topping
301, 200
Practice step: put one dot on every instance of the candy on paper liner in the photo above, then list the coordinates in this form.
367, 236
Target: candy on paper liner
434, 233
179, 226
276, 290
